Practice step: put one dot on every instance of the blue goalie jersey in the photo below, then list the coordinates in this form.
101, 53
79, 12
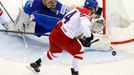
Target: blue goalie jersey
45, 18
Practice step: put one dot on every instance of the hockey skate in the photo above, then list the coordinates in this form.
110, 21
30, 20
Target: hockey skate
34, 67
73, 72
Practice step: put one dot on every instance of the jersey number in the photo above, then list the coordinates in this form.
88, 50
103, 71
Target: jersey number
67, 17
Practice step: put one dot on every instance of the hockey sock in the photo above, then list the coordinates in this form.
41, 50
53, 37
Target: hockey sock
76, 64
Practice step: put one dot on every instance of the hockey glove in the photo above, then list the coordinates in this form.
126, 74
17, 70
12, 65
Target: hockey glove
97, 25
98, 12
86, 41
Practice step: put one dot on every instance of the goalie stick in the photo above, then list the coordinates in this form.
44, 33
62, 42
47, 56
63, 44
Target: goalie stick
96, 40
7, 12
2, 30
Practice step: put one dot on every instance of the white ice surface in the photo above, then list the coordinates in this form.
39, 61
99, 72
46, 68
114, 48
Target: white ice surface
13, 48
14, 57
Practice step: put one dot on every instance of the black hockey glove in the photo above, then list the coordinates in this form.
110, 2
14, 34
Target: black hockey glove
98, 12
86, 41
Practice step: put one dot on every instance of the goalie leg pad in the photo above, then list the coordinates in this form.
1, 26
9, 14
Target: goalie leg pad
21, 20
30, 27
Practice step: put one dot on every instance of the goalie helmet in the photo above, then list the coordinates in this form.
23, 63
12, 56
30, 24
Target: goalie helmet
49, 3
91, 4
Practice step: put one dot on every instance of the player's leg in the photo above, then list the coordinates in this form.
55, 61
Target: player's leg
77, 51
76, 64
72, 46
47, 57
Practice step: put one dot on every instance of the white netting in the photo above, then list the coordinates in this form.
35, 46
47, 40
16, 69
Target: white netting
116, 14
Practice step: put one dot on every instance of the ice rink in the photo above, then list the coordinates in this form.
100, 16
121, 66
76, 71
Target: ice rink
15, 54
14, 57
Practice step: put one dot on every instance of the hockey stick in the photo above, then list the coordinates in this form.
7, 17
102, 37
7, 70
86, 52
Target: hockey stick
2, 30
7, 12
96, 40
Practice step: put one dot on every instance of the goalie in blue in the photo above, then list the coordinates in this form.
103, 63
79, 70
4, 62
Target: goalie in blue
39, 16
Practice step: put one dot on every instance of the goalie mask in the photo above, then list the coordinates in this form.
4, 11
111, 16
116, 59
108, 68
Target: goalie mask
97, 25
49, 3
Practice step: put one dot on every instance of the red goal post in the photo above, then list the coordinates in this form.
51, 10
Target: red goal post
104, 15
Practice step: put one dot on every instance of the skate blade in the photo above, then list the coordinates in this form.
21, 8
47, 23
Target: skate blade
31, 69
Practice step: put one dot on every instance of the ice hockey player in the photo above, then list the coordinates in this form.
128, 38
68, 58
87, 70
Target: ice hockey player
40, 16
65, 34
3, 19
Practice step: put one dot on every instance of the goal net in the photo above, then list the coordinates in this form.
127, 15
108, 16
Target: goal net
116, 16
115, 13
